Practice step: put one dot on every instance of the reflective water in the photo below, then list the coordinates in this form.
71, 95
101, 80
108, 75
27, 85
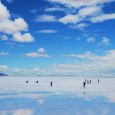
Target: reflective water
66, 97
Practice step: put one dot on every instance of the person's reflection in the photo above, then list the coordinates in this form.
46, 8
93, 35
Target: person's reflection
84, 92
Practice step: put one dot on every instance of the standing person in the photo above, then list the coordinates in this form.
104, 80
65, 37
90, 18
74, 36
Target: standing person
87, 81
90, 81
27, 81
98, 80
84, 83
51, 83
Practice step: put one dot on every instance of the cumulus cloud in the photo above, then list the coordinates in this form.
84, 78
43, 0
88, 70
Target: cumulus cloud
12, 27
4, 38
46, 18
90, 62
27, 37
80, 3
70, 19
105, 41
39, 53
90, 40
4, 13
103, 17
47, 31
88, 11
41, 50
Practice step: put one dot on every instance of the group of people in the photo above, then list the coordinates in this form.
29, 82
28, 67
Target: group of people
84, 83
51, 83
88, 82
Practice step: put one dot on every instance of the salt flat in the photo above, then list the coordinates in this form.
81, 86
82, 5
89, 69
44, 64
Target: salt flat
66, 97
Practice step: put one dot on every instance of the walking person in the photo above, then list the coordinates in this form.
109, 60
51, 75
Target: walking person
98, 80
87, 81
84, 84
51, 83
90, 81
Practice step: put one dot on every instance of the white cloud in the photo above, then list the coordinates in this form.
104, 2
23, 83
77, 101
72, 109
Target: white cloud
103, 17
90, 40
54, 9
3, 67
79, 26
27, 37
86, 55
47, 31
23, 112
2, 53
41, 50
88, 63
88, 11
69, 19
39, 53
12, 27
46, 18
80, 3
105, 41
4, 13
36, 54
3, 38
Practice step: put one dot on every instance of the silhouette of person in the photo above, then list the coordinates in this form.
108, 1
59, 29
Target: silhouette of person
51, 83
98, 80
27, 81
87, 81
90, 81
84, 83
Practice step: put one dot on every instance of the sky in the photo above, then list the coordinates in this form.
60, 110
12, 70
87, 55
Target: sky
57, 37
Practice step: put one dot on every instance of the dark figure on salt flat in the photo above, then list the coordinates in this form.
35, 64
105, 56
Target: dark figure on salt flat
51, 83
84, 83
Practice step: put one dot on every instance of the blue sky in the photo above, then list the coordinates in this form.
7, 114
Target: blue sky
57, 37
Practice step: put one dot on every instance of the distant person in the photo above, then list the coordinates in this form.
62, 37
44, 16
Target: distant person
51, 83
90, 81
87, 81
36, 81
27, 81
98, 80
84, 83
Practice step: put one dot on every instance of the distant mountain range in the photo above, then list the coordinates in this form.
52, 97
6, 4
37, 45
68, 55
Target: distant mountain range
2, 74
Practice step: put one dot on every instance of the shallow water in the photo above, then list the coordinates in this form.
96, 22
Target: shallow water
66, 97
